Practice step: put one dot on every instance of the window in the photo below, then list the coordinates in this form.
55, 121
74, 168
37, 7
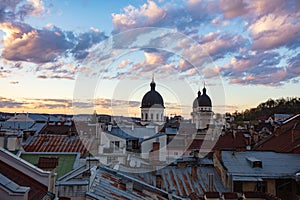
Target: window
142, 116
117, 144
157, 117
261, 186
151, 116
146, 116
135, 144
132, 144
238, 186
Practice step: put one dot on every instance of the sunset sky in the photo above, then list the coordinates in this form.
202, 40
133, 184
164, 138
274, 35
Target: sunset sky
69, 56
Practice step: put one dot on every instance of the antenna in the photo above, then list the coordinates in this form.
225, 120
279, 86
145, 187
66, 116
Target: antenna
152, 76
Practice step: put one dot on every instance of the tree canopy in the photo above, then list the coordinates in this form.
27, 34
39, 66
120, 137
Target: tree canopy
289, 105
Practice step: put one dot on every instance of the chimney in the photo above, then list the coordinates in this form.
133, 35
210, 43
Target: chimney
230, 183
276, 131
234, 134
109, 127
158, 179
210, 182
129, 186
171, 192
155, 150
194, 172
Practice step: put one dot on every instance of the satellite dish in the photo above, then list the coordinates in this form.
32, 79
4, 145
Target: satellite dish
116, 167
132, 163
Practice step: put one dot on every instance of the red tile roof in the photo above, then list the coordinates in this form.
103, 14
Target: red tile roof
286, 138
59, 143
232, 141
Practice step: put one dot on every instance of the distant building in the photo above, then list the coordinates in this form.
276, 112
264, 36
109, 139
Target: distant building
286, 137
279, 118
202, 110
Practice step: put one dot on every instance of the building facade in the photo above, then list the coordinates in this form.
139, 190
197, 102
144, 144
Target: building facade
202, 110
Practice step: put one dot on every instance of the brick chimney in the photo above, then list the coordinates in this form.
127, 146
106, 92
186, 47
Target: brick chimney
194, 172
155, 151
158, 180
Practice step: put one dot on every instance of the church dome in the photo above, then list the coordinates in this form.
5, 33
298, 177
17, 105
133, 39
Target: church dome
204, 100
195, 103
152, 99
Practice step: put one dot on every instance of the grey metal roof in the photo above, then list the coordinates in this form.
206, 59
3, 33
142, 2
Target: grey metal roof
129, 133
37, 127
14, 125
43, 118
183, 181
172, 131
274, 165
12, 186
110, 184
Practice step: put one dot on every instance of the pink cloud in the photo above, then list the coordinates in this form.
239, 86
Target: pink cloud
124, 63
23, 43
148, 14
233, 8
272, 31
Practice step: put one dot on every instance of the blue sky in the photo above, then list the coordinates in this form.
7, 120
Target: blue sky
244, 51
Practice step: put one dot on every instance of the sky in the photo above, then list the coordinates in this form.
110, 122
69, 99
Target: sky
77, 56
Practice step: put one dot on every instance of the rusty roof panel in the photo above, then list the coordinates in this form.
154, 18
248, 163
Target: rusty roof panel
184, 181
108, 186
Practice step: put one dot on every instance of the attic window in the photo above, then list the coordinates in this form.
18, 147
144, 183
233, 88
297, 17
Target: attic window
254, 162
257, 164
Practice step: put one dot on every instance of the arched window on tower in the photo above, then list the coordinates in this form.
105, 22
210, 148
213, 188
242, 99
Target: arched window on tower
157, 118
142, 116
151, 116
146, 117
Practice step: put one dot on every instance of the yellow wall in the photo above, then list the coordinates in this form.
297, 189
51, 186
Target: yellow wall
249, 186
271, 186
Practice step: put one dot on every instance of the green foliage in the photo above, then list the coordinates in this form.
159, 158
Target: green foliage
65, 161
269, 108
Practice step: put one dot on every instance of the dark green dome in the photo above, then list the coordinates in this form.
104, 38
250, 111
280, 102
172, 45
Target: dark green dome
202, 100
152, 99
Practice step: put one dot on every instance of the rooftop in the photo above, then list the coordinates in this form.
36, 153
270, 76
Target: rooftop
232, 140
286, 138
23, 173
59, 143
110, 184
185, 180
66, 161
12, 186
273, 165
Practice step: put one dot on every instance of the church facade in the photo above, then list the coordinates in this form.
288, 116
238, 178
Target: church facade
202, 110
